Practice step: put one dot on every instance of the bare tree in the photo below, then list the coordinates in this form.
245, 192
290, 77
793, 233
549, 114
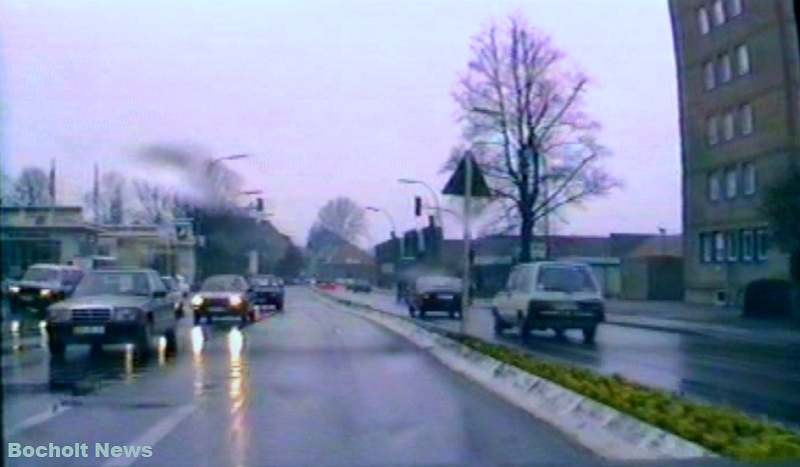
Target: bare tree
156, 203
523, 121
112, 193
341, 216
31, 188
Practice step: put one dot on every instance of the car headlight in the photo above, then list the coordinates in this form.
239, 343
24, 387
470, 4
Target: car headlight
14, 289
58, 314
235, 300
197, 300
45, 293
126, 314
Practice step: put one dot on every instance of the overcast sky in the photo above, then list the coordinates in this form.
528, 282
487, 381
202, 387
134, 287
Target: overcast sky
330, 97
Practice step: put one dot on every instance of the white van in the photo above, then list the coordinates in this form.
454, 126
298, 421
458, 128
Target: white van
555, 295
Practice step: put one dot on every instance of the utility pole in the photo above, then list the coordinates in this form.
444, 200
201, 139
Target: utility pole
467, 238
96, 195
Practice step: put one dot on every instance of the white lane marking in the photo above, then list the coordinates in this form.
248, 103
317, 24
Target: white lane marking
155, 434
37, 419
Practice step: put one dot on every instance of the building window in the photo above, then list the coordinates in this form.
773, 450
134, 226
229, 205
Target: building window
733, 246
746, 119
731, 179
762, 244
714, 186
706, 248
719, 247
749, 178
710, 76
728, 126
742, 60
702, 21
725, 74
747, 245
719, 12
712, 130
734, 8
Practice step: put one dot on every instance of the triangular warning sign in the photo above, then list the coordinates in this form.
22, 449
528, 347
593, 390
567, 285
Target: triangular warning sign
457, 183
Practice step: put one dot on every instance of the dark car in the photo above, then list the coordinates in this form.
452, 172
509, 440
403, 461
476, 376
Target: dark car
267, 291
114, 306
174, 294
223, 296
435, 294
41, 286
359, 285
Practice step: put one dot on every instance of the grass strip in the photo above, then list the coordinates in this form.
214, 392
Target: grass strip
724, 431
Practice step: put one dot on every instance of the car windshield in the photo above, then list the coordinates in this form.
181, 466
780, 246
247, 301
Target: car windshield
113, 283
40, 274
265, 281
565, 279
439, 282
221, 284
169, 283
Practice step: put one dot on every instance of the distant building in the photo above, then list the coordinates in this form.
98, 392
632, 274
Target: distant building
43, 234
738, 77
331, 257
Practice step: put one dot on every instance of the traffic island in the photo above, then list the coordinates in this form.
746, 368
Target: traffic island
613, 417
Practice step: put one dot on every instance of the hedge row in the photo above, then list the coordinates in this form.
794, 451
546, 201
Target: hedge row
722, 430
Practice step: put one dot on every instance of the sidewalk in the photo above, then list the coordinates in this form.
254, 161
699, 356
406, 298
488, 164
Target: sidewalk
689, 318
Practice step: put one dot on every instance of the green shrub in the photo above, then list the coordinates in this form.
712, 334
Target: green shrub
721, 430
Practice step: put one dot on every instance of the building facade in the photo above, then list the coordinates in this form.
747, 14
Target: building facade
738, 76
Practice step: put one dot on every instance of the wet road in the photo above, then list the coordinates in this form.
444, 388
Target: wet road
759, 378
311, 386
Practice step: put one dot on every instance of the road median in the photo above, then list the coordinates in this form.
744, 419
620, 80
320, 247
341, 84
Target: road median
612, 417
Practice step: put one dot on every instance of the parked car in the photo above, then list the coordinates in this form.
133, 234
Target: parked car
359, 285
550, 295
114, 306
223, 296
174, 294
435, 293
267, 290
41, 286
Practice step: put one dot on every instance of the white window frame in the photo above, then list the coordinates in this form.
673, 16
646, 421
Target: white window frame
747, 245
742, 54
725, 68
731, 182
712, 130
749, 180
761, 244
714, 186
746, 119
706, 248
732, 237
703, 21
718, 12
728, 126
709, 75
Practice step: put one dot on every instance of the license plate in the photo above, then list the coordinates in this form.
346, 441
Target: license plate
89, 330
217, 309
446, 297
26, 298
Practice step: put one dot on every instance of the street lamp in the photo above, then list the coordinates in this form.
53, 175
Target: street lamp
388, 217
410, 181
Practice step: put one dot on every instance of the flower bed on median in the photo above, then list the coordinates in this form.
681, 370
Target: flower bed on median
724, 431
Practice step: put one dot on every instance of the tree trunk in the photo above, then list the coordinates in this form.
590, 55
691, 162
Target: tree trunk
525, 238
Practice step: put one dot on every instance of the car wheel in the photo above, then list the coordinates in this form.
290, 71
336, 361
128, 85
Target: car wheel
144, 343
525, 329
172, 341
411, 311
560, 333
588, 334
56, 347
421, 313
280, 306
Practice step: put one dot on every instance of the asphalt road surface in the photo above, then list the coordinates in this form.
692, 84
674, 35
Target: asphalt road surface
313, 386
760, 378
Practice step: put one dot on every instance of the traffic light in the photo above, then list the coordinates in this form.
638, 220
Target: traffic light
260, 204
417, 206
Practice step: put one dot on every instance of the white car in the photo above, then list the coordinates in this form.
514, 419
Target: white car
553, 295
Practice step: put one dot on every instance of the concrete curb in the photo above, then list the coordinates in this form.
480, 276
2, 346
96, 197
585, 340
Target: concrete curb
598, 427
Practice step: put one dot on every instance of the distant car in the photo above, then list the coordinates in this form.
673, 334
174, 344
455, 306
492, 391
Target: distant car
41, 286
223, 296
174, 294
435, 293
114, 306
182, 285
550, 295
267, 290
359, 285
324, 285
